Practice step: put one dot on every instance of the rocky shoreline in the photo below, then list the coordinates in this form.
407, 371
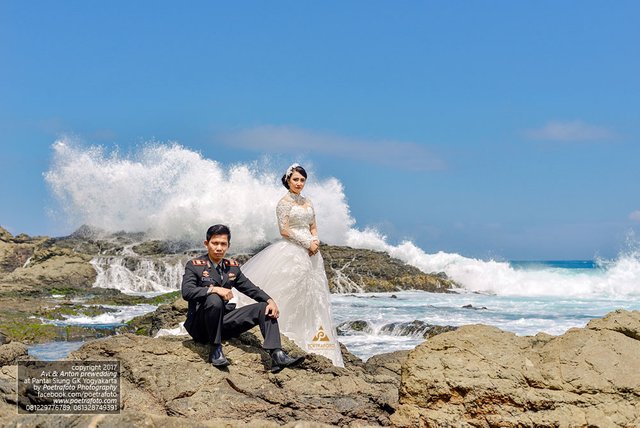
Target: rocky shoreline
475, 375
44, 278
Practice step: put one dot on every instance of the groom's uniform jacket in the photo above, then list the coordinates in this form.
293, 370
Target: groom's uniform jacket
201, 272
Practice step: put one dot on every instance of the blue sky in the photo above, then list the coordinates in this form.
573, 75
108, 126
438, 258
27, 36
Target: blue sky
491, 129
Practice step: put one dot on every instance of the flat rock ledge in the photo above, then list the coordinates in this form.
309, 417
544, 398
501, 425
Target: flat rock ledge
475, 376
167, 381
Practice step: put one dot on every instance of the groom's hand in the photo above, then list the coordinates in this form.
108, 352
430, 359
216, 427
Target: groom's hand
272, 309
225, 293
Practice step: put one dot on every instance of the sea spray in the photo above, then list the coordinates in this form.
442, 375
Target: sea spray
171, 192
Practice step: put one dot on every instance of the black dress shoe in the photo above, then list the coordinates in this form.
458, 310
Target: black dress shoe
280, 360
217, 358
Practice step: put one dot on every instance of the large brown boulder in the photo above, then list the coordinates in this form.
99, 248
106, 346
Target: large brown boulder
37, 263
51, 267
481, 376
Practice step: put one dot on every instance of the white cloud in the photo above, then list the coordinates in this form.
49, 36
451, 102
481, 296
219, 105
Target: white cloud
397, 154
635, 216
570, 131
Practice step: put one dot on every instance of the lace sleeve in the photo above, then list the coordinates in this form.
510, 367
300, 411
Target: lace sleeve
313, 227
282, 212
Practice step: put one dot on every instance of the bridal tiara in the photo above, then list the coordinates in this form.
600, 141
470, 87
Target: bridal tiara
290, 170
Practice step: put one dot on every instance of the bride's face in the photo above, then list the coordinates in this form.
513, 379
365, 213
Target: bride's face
296, 182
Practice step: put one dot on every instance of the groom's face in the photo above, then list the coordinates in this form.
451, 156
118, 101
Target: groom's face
217, 246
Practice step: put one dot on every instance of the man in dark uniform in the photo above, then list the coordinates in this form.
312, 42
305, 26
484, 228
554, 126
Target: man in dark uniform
207, 284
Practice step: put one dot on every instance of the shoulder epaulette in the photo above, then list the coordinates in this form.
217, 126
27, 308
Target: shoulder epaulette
230, 262
198, 262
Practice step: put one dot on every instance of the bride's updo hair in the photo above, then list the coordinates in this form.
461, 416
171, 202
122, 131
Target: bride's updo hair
287, 175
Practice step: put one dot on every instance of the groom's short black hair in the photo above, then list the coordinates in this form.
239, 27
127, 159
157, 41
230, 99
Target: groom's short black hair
218, 229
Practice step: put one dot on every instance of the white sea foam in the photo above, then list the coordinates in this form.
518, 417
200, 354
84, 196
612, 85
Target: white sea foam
172, 192
121, 314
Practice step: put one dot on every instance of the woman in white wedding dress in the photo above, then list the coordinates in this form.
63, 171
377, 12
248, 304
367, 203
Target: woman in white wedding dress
292, 272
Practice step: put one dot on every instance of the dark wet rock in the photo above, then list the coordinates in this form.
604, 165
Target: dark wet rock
470, 306
415, 328
353, 327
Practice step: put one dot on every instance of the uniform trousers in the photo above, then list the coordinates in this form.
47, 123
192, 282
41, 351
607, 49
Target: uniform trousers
213, 322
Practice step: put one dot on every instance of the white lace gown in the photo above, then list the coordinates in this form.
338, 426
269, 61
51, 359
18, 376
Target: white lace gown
296, 281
